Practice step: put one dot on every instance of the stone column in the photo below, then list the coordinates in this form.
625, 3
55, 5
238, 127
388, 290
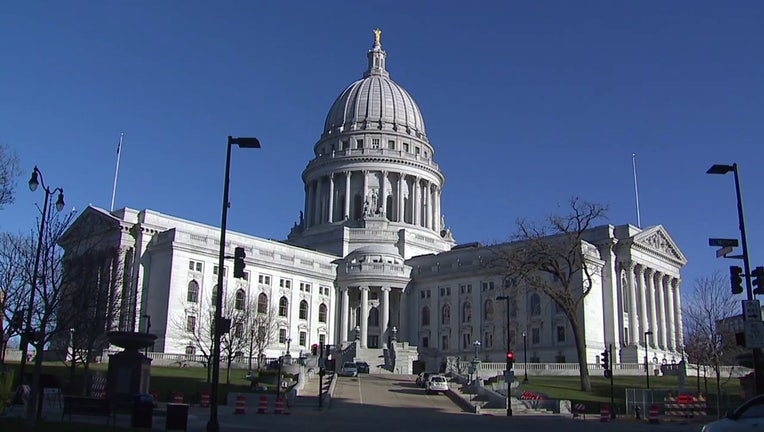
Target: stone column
427, 205
670, 317
649, 274
330, 217
640, 272
307, 203
679, 336
345, 315
437, 210
347, 194
661, 330
611, 312
416, 202
628, 269
385, 321
383, 194
401, 208
365, 188
317, 204
364, 316
403, 332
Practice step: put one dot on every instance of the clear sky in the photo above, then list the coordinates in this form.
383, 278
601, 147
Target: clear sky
526, 104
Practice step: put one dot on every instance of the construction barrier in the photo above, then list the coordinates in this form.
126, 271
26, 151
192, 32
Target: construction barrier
685, 406
528, 395
241, 405
579, 410
98, 387
653, 414
177, 397
605, 413
262, 405
278, 408
204, 401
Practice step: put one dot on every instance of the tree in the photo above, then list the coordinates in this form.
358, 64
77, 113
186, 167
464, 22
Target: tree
262, 329
554, 259
707, 314
16, 253
9, 170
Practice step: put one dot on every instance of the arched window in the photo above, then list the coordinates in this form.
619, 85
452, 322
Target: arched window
238, 330
322, 313
488, 310
467, 312
425, 316
303, 310
374, 317
193, 292
445, 316
240, 299
283, 307
535, 305
214, 298
262, 303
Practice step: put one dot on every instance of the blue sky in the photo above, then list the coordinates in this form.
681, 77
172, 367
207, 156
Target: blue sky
526, 104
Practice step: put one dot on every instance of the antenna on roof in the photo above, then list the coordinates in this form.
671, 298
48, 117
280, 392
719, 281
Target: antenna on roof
116, 172
636, 190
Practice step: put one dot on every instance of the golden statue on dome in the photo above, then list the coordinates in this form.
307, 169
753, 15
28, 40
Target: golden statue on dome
377, 33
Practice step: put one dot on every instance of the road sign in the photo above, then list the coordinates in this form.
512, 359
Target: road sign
751, 310
509, 376
754, 334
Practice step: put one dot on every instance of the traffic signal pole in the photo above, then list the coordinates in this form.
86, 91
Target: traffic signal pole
320, 376
612, 388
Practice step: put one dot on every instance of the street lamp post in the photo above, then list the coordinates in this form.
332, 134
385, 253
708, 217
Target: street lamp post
756, 352
35, 181
288, 355
212, 424
508, 359
647, 366
525, 357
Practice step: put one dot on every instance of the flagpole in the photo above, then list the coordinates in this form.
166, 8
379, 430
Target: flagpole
116, 172
636, 191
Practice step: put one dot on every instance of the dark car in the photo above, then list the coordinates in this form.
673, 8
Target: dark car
363, 367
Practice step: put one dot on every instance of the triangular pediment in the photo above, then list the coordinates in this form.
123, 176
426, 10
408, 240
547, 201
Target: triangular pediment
657, 240
91, 222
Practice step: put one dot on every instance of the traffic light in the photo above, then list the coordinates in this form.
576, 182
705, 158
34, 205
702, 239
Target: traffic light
605, 360
758, 280
510, 359
238, 263
736, 279
314, 349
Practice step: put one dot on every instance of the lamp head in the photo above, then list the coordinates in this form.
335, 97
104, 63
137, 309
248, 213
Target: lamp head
720, 169
60, 201
33, 183
244, 142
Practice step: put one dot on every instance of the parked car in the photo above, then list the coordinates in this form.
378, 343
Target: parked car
421, 379
747, 417
349, 369
362, 366
436, 384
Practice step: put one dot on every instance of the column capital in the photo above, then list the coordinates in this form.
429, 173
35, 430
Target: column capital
639, 269
385, 289
626, 265
331, 175
675, 281
347, 173
365, 172
344, 290
363, 288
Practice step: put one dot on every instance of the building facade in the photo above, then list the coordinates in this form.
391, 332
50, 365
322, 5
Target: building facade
372, 260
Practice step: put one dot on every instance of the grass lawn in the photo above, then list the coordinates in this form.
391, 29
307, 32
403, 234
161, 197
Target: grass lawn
569, 388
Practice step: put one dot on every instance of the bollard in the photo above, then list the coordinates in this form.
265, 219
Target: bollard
241, 405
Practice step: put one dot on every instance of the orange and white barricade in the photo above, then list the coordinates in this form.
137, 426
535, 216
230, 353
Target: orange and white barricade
278, 408
262, 405
204, 400
605, 413
241, 405
177, 397
653, 413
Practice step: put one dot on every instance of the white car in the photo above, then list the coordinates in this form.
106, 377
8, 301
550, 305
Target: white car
436, 384
747, 417
349, 369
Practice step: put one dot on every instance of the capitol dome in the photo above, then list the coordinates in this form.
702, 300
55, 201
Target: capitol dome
375, 102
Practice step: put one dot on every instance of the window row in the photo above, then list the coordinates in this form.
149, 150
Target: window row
375, 144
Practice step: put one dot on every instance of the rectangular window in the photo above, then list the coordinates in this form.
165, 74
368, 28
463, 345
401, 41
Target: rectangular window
282, 336
195, 265
391, 145
344, 145
285, 283
215, 270
406, 147
359, 144
375, 143
304, 286
466, 342
442, 292
246, 276
191, 323
322, 339
448, 291
422, 294
444, 343
560, 333
425, 341
303, 338
264, 279
417, 150
324, 290
535, 336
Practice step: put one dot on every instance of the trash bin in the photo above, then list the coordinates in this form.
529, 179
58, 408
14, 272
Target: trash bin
143, 411
177, 416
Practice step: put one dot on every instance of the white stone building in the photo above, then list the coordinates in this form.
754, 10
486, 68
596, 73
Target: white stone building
371, 258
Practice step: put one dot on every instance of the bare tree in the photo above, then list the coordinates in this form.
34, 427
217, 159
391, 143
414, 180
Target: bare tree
262, 329
9, 170
707, 312
16, 253
554, 259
